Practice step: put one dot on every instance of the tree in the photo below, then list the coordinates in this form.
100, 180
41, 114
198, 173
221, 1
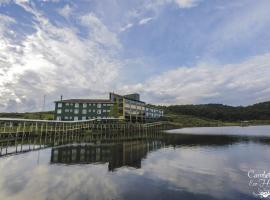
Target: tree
114, 110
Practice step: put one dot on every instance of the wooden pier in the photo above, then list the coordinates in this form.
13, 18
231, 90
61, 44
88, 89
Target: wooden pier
14, 127
14, 133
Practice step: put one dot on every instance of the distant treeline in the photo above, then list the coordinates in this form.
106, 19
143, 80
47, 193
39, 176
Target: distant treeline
260, 111
49, 115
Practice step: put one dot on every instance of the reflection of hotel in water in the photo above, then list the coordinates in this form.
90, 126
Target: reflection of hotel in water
118, 155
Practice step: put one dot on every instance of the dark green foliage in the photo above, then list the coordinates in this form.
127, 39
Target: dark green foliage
114, 111
260, 111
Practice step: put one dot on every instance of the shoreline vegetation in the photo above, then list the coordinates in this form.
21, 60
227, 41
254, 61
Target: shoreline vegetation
204, 115
183, 121
218, 115
47, 115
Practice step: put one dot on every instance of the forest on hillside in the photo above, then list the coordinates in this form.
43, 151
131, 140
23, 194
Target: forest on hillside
260, 111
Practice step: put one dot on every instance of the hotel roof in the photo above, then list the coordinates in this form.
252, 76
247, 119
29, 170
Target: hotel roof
84, 101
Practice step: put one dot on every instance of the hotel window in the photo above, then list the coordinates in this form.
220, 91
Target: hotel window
83, 118
84, 105
75, 118
76, 105
99, 112
59, 105
76, 111
99, 105
104, 111
58, 118
89, 110
67, 104
84, 111
94, 110
59, 111
66, 110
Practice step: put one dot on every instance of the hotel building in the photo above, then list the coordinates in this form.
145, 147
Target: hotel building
126, 107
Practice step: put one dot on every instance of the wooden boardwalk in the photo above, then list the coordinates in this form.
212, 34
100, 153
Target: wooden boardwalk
10, 127
15, 133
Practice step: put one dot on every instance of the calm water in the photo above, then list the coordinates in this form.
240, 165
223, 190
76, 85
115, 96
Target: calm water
185, 164
229, 130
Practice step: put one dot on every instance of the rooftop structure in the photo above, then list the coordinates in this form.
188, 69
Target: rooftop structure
134, 96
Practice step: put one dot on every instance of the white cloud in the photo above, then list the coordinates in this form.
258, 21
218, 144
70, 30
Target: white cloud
65, 11
145, 20
130, 15
183, 4
55, 60
99, 32
239, 27
128, 26
54, 1
5, 21
243, 83
186, 3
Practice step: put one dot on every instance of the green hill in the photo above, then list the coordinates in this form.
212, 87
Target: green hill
260, 111
49, 115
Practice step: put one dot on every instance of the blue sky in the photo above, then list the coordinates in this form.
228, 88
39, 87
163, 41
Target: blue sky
170, 51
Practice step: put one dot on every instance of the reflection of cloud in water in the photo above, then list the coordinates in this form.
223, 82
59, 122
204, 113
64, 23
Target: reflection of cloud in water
227, 130
174, 173
54, 182
220, 172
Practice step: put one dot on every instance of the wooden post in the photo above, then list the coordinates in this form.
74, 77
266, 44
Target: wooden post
10, 126
23, 134
4, 128
16, 137
51, 132
46, 132
40, 138
55, 129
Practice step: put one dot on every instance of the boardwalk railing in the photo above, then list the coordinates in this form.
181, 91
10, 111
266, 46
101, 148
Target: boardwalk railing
28, 126
14, 126
23, 135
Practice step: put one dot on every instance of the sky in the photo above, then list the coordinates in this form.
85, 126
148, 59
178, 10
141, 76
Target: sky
169, 51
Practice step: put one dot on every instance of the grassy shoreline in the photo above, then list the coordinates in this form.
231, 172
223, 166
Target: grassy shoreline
184, 121
178, 120
48, 115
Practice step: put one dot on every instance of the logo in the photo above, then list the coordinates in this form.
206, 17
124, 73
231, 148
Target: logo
259, 183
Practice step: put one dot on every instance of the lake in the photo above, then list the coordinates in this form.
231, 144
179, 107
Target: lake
193, 163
